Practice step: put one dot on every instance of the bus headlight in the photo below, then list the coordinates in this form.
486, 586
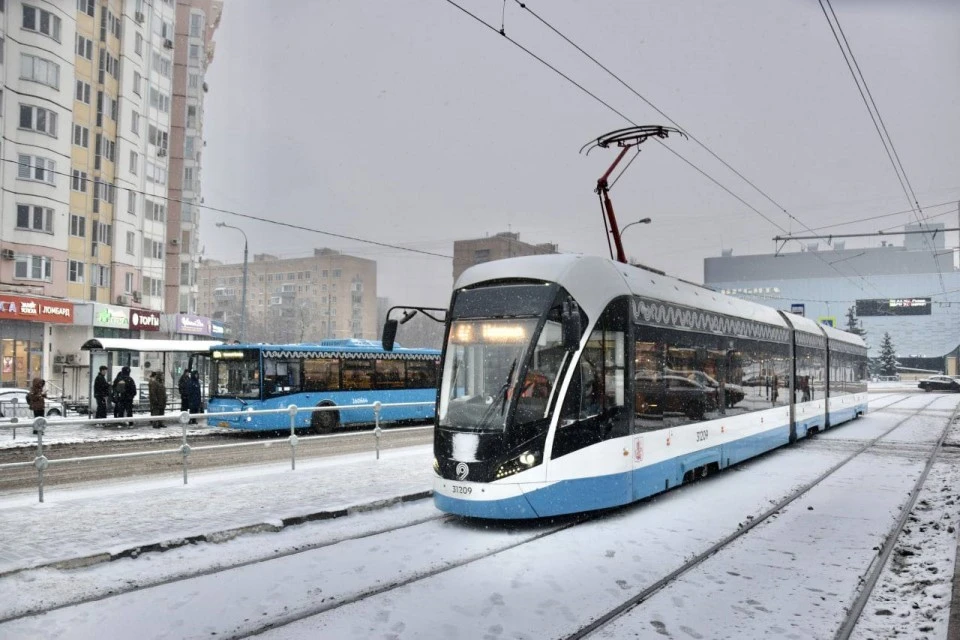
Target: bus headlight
522, 462
249, 418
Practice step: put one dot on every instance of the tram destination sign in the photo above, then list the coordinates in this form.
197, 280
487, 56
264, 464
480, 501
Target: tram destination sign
894, 307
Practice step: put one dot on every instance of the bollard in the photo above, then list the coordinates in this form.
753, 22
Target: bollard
292, 409
16, 418
40, 462
184, 448
376, 429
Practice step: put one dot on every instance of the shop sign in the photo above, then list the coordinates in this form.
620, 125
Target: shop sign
144, 320
193, 325
217, 330
111, 317
35, 309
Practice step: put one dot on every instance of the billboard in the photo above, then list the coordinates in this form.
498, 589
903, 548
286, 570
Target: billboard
894, 307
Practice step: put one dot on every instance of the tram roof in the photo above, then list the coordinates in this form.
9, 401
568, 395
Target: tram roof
594, 281
149, 346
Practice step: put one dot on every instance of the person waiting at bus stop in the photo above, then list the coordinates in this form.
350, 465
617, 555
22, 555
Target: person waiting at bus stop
194, 395
182, 385
101, 392
36, 398
124, 390
158, 398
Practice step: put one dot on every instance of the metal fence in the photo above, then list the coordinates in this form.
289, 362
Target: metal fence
41, 426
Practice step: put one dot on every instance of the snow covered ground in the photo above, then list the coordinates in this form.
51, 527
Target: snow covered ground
407, 571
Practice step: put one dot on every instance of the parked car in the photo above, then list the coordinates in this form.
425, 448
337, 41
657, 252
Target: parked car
940, 383
733, 393
54, 408
673, 394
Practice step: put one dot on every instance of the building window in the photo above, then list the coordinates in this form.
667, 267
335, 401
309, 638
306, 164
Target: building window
81, 136
189, 147
196, 25
191, 117
188, 178
39, 70
78, 226
138, 44
131, 242
34, 218
134, 161
84, 47
75, 271
159, 100
38, 119
36, 168
41, 21
33, 268
135, 122
79, 181
336, 274
87, 6
162, 64
158, 137
83, 92
136, 82
132, 201
101, 276
127, 282
195, 53
155, 173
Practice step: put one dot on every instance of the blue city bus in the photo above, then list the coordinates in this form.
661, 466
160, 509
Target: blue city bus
331, 373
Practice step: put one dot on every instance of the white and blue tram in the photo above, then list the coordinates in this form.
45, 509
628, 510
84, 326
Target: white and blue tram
572, 383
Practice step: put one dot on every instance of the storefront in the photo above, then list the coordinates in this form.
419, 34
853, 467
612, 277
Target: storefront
22, 323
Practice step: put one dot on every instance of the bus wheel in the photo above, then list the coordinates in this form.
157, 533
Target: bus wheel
324, 421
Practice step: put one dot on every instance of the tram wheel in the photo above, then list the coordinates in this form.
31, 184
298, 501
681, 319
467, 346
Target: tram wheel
324, 421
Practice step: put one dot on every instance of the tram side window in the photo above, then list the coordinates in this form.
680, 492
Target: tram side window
811, 374
282, 377
682, 377
358, 375
421, 374
390, 374
322, 374
594, 408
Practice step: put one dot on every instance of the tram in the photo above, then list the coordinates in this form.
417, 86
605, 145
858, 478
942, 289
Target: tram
572, 383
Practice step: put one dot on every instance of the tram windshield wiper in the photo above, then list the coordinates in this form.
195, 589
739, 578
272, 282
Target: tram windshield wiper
501, 393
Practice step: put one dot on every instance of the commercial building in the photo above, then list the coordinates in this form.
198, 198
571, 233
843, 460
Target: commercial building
86, 114
324, 295
910, 290
467, 253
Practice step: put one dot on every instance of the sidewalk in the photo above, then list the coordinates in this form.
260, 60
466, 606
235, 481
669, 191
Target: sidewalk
98, 522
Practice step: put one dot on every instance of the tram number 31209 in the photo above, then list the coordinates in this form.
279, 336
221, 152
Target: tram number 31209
702, 435
458, 489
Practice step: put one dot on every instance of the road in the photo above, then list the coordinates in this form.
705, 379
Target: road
253, 451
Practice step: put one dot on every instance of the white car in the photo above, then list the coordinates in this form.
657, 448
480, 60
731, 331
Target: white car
54, 408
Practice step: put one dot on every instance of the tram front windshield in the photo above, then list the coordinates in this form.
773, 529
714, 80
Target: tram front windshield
492, 363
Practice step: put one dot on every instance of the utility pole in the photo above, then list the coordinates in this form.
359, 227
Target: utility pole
243, 294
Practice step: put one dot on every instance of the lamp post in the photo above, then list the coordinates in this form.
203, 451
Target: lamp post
243, 295
640, 221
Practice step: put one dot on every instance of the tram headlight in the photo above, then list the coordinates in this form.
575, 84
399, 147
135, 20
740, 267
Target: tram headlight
436, 466
522, 462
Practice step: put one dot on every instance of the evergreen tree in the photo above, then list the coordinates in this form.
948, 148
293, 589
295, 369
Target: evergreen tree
854, 325
888, 357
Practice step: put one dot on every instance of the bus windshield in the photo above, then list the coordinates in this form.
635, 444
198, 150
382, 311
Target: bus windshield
236, 374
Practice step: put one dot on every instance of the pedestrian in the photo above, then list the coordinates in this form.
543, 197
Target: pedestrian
124, 391
182, 384
36, 397
101, 391
194, 395
158, 398
774, 388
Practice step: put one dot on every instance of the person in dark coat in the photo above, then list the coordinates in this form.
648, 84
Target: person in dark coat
101, 391
182, 385
194, 395
158, 398
124, 391
36, 398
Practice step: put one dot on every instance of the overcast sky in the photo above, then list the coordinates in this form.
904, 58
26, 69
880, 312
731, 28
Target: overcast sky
410, 123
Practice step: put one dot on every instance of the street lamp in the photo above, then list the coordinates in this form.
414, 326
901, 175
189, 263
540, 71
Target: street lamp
640, 221
243, 295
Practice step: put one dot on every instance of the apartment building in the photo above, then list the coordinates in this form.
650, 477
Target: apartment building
290, 300
467, 253
86, 113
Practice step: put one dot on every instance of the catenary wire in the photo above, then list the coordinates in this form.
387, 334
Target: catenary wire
619, 113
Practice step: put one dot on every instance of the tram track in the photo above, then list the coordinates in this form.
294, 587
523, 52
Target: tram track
601, 621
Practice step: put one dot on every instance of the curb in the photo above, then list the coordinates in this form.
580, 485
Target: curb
217, 537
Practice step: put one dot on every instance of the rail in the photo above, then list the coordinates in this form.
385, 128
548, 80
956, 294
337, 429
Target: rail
40, 426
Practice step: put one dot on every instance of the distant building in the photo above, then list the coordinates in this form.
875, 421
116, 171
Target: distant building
326, 295
467, 253
894, 289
